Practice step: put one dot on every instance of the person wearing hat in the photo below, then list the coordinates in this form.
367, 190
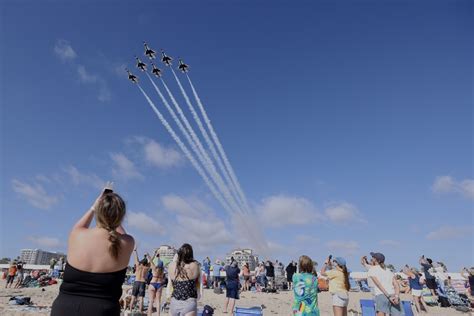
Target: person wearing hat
338, 284
416, 288
430, 279
386, 289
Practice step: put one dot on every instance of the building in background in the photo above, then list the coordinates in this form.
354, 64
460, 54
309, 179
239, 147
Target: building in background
243, 256
166, 253
38, 256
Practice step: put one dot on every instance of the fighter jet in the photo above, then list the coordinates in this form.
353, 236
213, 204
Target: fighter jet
140, 65
183, 67
150, 53
166, 59
156, 71
131, 76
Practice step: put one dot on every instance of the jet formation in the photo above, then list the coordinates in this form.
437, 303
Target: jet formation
151, 54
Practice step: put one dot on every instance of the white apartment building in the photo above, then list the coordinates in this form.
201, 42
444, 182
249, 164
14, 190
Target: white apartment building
243, 255
38, 256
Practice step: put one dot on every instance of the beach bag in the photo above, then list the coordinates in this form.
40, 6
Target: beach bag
218, 290
208, 310
443, 301
323, 284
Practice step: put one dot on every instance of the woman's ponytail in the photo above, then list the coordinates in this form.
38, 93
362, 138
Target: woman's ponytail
346, 278
114, 248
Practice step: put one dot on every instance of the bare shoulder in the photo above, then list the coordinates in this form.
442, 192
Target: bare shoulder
128, 242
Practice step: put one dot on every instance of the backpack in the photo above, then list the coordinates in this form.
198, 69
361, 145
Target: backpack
443, 301
208, 310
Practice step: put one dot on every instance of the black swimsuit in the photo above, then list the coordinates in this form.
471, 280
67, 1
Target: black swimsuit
89, 293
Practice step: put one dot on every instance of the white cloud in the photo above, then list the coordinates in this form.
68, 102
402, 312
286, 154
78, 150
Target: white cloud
82, 178
88, 78
161, 156
306, 239
450, 232
196, 222
64, 50
447, 184
119, 69
144, 223
104, 92
281, 210
343, 213
389, 243
85, 76
124, 168
49, 243
344, 247
35, 194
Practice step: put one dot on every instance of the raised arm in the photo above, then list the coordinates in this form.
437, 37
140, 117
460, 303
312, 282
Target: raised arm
364, 262
85, 221
326, 264
408, 272
423, 260
463, 274
137, 262
151, 260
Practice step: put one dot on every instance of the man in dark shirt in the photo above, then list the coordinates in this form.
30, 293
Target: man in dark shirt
427, 264
270, 270
232, 272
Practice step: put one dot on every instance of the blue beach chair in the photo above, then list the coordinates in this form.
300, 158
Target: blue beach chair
255, 311
407, 308
367, 307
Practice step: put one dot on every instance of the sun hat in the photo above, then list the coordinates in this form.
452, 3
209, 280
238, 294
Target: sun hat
340, 261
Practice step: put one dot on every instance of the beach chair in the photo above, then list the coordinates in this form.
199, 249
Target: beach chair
354, 286
407, 308
241, 311
367, 307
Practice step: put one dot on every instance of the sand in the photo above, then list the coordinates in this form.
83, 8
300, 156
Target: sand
275, 304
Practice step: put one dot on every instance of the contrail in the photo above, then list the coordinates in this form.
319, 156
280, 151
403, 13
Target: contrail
219, 145
210, 144
188, 154
206, 160
178, 121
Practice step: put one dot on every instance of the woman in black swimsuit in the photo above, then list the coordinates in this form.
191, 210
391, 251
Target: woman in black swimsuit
97, 261
184, 275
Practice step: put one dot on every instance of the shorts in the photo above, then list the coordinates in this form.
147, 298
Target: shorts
232, 290
139, 289
383, 305
10, 278
181, 308
416, 293
431, 284
340, 299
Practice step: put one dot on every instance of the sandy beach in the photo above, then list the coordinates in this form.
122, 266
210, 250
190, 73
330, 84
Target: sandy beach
275, 304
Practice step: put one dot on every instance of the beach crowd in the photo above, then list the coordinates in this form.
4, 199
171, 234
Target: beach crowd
98, 257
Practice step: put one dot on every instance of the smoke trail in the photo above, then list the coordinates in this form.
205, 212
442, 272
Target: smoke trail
188, 154
206, 160
178, 122
210, 144
219, 145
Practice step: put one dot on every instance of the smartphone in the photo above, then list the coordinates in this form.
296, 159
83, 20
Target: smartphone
108, 187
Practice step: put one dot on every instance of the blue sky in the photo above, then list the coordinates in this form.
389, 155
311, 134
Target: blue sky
349, 124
